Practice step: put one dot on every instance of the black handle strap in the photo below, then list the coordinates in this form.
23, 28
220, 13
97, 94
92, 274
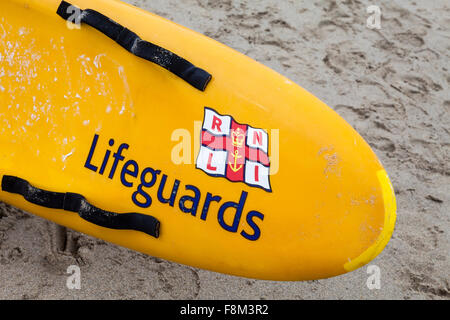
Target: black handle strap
77, 203
196, 77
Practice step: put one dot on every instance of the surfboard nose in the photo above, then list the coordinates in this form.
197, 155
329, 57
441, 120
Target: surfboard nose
390, 215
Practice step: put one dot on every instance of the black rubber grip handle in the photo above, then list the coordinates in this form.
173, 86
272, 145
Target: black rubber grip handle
129, 40
77, 203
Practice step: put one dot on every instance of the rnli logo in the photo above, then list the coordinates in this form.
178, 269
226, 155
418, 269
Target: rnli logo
237, 152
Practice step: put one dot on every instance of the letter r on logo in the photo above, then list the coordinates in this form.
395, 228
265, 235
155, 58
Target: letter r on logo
216, 123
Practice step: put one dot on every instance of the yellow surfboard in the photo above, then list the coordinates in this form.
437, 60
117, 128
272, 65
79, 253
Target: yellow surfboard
125, 126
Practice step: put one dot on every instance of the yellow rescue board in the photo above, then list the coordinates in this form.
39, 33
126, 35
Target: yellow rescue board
246, 174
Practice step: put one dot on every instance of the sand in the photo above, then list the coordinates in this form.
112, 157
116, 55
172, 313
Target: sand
391, 84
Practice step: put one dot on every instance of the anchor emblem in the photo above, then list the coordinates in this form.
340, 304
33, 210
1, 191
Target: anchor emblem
234, 165
238, 139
